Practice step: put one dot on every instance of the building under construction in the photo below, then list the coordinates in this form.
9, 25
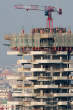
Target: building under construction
45, 81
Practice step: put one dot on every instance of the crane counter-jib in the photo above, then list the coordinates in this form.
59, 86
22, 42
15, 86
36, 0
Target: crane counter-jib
42, 40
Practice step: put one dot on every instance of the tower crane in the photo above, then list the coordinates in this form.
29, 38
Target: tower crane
48, 10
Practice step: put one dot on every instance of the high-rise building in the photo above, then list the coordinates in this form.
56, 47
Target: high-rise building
45, 81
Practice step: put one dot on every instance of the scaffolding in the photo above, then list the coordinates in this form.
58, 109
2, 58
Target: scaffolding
40, 40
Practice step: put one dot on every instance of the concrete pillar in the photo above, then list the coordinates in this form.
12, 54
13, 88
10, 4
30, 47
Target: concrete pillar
51, 69
51, 57
33, 58
41, 58
60, 58
51, 73
41, 83
41, 66
14, 107
60, 74
41, 92
41, 108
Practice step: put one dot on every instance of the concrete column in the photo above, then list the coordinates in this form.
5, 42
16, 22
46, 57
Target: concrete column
51, 73
32, 74
14, 107
21, 108
23, 75
60, 58
41, 83
60, 74
11, 107
41, 66
32, 60
51, 69
41, 58
41, 75
32, 91
32, 84
41, 100
41, 92
51, 57
41, 108
32, 57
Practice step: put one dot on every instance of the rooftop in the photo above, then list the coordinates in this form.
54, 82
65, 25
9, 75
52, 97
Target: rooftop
41, 38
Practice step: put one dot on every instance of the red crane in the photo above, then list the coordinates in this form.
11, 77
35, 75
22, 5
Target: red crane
47, 9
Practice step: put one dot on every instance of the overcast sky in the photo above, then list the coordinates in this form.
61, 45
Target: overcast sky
12, 20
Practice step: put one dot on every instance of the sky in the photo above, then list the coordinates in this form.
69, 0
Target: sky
12, 21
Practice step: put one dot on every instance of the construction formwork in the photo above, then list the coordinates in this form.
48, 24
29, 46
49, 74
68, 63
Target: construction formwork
39, 40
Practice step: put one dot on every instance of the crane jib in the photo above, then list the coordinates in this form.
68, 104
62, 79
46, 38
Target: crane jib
47, 9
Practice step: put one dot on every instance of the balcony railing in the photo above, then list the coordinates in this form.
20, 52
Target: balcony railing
60, 78
63, 95
24, 61
34, 103
45, 86
62, 103
47, 61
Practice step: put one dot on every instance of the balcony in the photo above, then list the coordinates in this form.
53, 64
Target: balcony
37, 52
34, 103
26, 104
38, 103
45, 86
44, 69
60, 70
44, 78
14, 102
37, 69
18, 94
65, 87
63, 94
62, 103
61, 53
23, 69
54, 69
46, 61
31, 78
68, 61
44, 95
24, 61
68, 69
14, 77
60, 78
13, 53
23, 94
26, 87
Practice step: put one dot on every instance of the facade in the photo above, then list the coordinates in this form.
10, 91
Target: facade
45, 81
